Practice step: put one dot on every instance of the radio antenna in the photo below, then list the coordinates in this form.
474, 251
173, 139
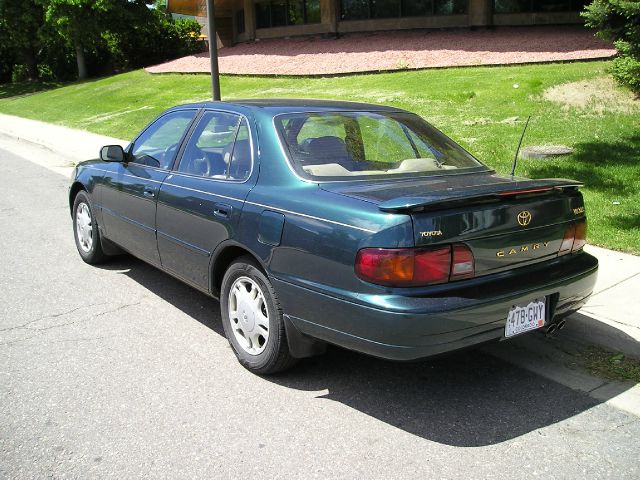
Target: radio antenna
515, 158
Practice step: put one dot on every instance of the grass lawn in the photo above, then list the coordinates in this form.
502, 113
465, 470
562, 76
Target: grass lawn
484, 108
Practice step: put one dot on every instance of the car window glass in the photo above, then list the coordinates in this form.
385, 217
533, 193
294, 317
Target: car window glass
218, 148
158, 144
240, 161
384, 140
335, 145
318, 126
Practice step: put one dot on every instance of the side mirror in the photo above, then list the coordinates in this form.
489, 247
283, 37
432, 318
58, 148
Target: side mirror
112, 153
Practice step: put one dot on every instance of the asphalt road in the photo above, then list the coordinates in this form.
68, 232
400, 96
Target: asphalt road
124, 372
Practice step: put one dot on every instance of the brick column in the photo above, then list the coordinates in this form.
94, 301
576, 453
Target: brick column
480, 13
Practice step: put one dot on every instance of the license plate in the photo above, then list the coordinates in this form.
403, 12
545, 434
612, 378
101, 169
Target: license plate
524, 318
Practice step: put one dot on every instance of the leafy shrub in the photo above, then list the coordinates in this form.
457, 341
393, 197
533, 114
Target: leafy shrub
619, 21
626, 67
20, 73
45, 73
141, 36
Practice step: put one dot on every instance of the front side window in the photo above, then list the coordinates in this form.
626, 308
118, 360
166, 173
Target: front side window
158, 144
219, 148
358, 145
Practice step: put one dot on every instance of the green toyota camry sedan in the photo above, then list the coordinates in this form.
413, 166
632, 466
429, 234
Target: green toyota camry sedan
318, 222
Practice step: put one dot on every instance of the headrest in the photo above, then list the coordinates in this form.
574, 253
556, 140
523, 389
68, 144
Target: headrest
327, 147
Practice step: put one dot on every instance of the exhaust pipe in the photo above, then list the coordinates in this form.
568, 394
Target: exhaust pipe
561, 324
550, 329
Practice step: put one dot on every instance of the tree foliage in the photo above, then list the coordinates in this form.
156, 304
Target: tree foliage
78, 22
619, 21
65, 38
20, 23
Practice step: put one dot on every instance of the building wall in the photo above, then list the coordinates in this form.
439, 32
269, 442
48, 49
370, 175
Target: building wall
479, 14
557, 18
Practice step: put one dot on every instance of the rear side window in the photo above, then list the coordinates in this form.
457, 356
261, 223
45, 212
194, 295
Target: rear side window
340, 145
219, 148
158, 144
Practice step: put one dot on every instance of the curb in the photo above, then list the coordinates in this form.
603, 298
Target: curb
62, 141
585, 330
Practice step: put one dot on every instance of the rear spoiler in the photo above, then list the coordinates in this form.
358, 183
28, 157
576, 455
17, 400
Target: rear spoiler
454, 197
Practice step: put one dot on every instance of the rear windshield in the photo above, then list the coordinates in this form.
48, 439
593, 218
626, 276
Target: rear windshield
354, 145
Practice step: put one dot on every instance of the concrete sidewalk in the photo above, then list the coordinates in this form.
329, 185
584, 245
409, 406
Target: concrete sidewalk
70, 146
610, 319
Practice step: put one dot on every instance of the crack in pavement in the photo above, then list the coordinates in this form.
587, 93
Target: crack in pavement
53, 315
42, 331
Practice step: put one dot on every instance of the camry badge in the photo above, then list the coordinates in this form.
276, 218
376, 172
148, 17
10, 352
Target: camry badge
524, 218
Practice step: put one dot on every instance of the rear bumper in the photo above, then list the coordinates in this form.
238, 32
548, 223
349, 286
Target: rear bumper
409, 324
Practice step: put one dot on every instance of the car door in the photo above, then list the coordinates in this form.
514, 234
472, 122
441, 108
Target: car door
200, 202
131, 189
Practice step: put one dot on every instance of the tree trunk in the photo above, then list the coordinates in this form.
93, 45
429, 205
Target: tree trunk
30, 61
82, 64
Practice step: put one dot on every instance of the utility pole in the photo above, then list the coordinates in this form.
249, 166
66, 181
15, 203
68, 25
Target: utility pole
213, 51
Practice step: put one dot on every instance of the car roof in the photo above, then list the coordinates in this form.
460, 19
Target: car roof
291, 105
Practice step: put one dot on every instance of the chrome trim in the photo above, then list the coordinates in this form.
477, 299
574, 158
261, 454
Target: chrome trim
311, 217
270, 207
166, 183
115, 172
128, 220
94, 168
182, 243
141, 179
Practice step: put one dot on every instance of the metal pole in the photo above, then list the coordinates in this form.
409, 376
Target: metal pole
213, 51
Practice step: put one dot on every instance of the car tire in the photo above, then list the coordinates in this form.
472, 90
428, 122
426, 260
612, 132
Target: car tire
252, 319
85, 230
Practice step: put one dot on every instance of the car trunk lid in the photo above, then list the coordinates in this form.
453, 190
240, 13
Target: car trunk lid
505, 221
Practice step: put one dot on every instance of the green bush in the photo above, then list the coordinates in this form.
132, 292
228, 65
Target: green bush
154, 38
45, 73
626, 67
19, 74
619, 21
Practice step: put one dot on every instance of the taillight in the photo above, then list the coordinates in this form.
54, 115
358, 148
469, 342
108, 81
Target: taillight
462, 263
567, 241
575, 237
410, 267
581, 236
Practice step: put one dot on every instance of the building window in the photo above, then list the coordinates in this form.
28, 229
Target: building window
538, 6
280, 13
366, 9
240, 21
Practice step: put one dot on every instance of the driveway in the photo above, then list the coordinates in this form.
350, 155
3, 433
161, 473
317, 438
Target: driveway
123, 372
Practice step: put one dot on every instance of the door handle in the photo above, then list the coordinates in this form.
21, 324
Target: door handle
148, 192
222, 210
